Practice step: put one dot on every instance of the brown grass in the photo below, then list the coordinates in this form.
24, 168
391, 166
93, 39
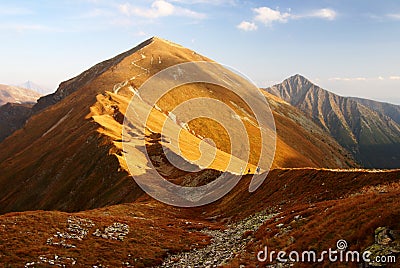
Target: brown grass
345, 211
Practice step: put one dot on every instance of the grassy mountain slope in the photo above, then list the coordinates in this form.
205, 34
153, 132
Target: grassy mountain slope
312, 207
69, 155
13, 117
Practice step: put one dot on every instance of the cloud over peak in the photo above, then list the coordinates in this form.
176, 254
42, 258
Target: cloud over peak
159, 8
268, 16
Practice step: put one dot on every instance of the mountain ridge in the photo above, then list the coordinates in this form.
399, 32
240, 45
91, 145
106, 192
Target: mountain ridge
68, 87
69, 155
385, 108
367, 133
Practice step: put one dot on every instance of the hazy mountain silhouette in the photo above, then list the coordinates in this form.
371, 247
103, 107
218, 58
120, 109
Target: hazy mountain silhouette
35, 87
15, 94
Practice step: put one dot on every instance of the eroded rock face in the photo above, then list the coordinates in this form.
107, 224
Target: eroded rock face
387, 243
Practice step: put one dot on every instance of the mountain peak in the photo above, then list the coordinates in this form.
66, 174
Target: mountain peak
292, 89
366, 128
34, 86
299, 79
156, 39
297, 76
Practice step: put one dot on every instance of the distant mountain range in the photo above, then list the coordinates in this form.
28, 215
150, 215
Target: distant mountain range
35, 87
14, 94
370, 130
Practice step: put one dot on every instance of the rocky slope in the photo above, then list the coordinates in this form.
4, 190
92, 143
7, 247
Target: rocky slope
387, 109
304, 142
371, 136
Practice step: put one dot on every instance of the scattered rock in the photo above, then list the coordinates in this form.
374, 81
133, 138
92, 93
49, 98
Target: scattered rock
116, 231
52, 260
78, 228
224, 244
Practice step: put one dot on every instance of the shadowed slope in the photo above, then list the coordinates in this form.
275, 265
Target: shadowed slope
13, 117
372, 137
387, 109
313, 209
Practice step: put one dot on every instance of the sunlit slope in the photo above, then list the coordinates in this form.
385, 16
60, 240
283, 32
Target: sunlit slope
69, 155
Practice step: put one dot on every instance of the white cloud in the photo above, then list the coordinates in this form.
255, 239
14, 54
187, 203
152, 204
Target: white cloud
159, 8
189, 13
267, 15
209, 2
348, 79
376, 78
247, 26
324, 13
394, 16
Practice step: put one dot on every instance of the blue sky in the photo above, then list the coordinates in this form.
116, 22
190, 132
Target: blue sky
350, 47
